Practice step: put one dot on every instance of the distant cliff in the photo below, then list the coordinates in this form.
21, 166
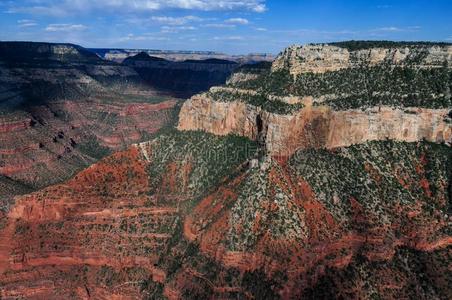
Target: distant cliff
185, 78
62, 108
119, 55
31, 51
322, 58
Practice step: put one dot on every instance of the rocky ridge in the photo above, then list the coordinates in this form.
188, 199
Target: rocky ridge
143, 223
326, 58
184, 78
303, 120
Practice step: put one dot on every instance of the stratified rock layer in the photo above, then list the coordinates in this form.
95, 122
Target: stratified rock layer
62, 108
315, 126
325, 58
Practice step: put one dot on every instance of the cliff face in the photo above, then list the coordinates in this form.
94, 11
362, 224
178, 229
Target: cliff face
21, 51
317, 127
299, 107
325, 58
62, 108
274, 187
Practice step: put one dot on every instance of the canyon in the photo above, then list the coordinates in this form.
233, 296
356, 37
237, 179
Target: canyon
184, 78
62, 108
282, 183
119, 55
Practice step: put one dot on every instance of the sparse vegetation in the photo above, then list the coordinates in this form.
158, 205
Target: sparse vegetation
363, 87
207, 159
361, 45
260, 100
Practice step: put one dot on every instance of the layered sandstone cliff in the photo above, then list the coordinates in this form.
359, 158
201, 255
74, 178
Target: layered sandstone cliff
62, 108
290, 112
323, 58
315, 126
345, 203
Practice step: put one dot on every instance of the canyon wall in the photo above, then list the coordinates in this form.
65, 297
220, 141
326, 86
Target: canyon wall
62, 108
144, 222
350, 203
315, 126
184, 78
335, 95
325, 58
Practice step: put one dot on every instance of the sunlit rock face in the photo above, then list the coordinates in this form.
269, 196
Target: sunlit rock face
316, 127
296, 115
324, 58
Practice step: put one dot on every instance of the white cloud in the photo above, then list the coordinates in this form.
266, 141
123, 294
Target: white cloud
143, 37
176, 29
240, 21
26, 23
176, 21
219, 25
397, 29
65, 27
228, 38
68, 7
260, 29
392, 28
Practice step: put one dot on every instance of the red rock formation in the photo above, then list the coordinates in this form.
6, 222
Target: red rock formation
47, 144
101, 235
102, 219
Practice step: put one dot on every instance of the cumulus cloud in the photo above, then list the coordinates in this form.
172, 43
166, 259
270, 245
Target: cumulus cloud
65, 27
65, 7
240, 21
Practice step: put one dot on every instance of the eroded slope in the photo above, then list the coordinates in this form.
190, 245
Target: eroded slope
190, 215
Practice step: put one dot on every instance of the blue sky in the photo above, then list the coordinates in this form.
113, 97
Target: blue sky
231, 26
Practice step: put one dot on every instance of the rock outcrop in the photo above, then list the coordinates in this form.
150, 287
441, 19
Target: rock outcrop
266, 191
62, 108
324, 58
295, 115
315, 126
